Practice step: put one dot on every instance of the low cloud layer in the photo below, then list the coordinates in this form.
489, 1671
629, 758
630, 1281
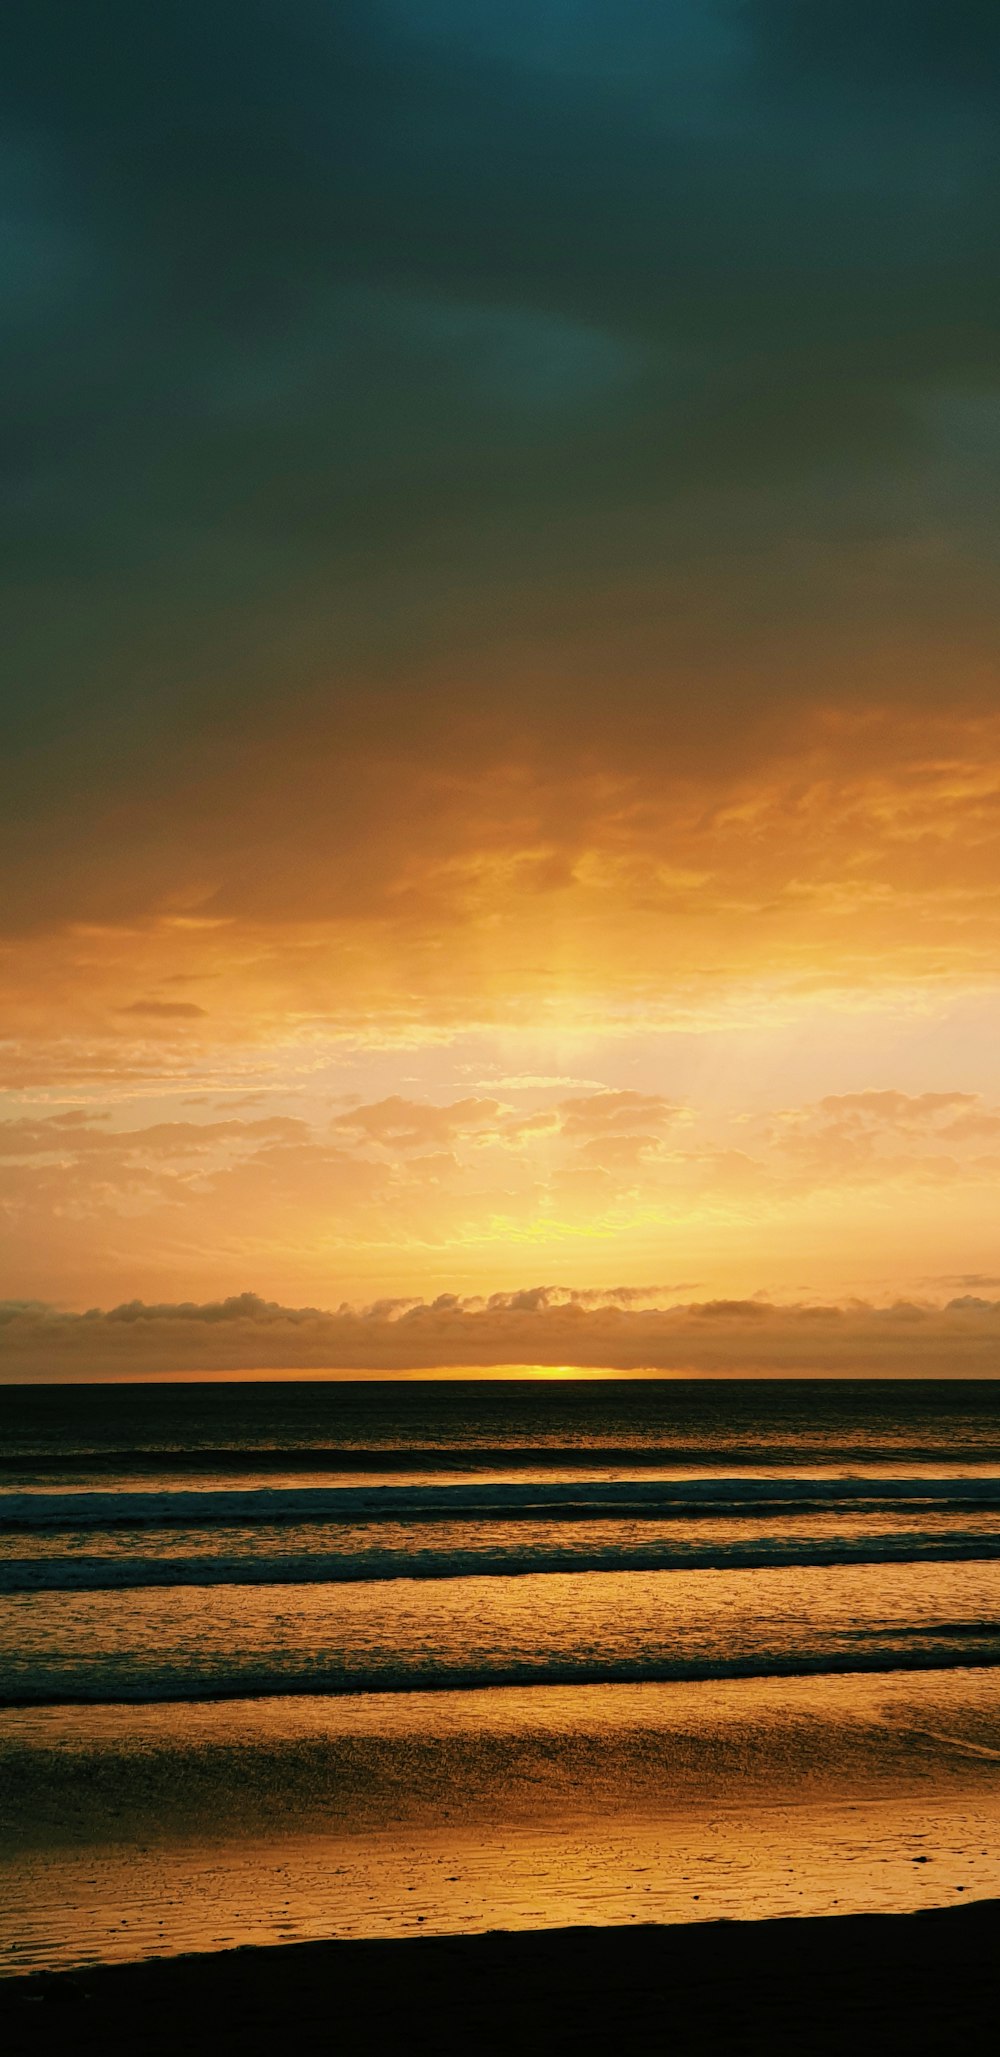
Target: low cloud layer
537, 1328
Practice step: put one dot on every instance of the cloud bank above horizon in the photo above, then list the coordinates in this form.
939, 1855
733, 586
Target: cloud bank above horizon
541, 1331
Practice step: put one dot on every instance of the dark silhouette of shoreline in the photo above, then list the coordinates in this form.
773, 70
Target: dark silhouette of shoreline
854, 1983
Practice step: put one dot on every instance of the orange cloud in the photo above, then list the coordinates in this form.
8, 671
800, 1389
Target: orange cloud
850, 856
410, 1125
166, 1010
403, 1188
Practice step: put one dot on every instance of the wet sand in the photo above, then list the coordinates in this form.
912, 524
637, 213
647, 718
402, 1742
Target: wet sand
155, 1832
886, 1983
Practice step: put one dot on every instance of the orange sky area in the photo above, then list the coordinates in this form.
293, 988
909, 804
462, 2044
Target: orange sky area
501, 771
734, 1033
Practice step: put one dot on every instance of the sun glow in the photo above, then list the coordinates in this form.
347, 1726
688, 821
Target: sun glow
536, 815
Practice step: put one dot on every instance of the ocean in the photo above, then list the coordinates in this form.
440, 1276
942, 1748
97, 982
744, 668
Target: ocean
314, 1658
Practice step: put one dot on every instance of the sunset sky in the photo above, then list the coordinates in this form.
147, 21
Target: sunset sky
502, 744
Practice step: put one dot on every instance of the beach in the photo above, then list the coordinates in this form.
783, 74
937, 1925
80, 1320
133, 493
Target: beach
921, 1982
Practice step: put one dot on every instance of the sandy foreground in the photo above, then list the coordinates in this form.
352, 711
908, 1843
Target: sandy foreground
917, 1982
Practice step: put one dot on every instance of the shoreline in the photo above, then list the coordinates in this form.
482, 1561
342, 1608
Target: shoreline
878, 1982
143, 1833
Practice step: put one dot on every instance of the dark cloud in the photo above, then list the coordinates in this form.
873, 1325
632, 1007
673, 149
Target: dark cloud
886, 46
382, 382
237, 1307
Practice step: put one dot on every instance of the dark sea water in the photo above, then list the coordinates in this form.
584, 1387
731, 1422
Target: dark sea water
219, 1541
308, 1622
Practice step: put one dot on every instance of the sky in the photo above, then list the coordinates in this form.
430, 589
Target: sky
501, 779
